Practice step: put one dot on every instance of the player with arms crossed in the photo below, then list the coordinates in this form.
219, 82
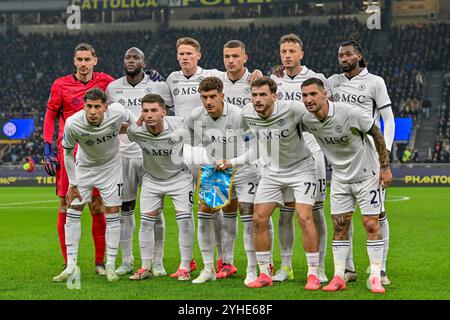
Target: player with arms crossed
358, 175
288, 177
366, 93
95, 129
128, 91
288, 84
218, 126
165, 174
66, 98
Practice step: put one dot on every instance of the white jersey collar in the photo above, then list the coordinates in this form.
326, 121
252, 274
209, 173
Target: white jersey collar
331, 108
143, 81
199, 71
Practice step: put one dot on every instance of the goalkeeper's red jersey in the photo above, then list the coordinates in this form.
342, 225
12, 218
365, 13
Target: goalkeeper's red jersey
66, 98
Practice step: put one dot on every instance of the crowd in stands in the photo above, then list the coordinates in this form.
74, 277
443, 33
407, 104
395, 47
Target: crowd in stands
441, 152
208, 15
35, 61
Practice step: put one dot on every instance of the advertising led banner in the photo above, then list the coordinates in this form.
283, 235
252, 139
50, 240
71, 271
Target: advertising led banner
413, 175
14, 129
146, 4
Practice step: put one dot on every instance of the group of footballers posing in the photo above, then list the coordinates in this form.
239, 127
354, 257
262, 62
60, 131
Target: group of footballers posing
125, 138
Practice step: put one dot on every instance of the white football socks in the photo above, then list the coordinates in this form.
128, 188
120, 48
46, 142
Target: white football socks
73, 235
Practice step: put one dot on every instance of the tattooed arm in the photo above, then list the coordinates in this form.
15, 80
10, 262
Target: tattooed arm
380, 145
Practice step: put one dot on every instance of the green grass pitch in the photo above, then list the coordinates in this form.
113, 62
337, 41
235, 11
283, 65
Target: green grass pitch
418, 263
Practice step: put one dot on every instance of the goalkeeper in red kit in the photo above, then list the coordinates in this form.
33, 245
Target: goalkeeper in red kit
66, 98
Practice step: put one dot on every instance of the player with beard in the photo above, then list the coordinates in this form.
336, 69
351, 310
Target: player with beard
367, 93
128, 91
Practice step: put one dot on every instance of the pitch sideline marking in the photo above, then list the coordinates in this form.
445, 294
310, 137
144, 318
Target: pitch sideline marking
22, 203
397, 198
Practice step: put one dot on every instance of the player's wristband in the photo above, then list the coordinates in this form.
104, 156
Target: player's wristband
385, 166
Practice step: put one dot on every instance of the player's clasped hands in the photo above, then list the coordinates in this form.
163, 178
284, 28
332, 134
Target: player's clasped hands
222, 165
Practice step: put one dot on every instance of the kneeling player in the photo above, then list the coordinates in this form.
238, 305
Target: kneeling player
165, 174
96, 130
342, 135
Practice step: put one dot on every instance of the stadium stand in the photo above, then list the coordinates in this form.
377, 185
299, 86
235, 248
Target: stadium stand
36, 60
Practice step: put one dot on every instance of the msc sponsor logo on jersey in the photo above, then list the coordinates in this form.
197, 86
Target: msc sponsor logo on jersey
352, 98
185, 91
238, 101
103, 139
158, 152
297, 95
222, 139
279, 95
272, 134
334, 140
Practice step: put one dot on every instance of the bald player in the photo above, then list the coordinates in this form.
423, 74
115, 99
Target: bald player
128, 91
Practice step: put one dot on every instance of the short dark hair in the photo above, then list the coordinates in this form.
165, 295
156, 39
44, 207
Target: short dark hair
235, 44
95, 94
311, 81
265, 81
357, 47
211, 83
291, 38
153, 98
84, 47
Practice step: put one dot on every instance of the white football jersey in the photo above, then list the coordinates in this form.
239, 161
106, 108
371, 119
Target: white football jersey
238, 92
342, 137
163, 153
98, 146
366, 91
223, 137
289, 88
280, 141
184, 90
122, 92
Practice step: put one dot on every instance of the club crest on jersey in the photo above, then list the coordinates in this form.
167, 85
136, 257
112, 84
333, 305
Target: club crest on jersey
146, 151
171, 141
281, 122
336, 97
279, 95
113, 125
148, 90
338, 129
229, 127
85, 134
247, 90
75, 101
200, 79
122, 102
336, 85
362, 87
176, 91
89, 143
